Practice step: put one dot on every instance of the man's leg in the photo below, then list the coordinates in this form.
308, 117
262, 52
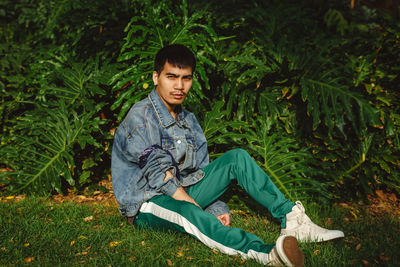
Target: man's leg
238, 165
164, 212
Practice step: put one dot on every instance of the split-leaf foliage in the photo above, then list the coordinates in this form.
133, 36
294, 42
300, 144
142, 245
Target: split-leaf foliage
308, 88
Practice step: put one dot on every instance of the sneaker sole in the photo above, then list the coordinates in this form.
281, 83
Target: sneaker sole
289, 251
322, 238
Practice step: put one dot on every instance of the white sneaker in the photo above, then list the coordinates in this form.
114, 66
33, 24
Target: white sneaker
298, 224
286, 253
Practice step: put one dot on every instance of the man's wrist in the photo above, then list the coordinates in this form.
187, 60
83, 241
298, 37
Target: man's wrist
168, 175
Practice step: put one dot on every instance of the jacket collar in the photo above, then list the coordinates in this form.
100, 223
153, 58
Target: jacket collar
162, 112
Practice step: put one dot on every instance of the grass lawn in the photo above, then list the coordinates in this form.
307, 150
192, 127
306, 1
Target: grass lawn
41, 232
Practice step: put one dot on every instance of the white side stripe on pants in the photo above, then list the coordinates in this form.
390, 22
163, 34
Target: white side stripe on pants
174, 217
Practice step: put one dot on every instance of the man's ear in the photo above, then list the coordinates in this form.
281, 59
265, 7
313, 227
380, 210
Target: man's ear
155, 77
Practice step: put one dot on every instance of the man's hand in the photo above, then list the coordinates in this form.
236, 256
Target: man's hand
225, 219
180, 193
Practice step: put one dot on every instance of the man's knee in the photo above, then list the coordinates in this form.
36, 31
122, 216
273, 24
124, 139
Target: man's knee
239, 154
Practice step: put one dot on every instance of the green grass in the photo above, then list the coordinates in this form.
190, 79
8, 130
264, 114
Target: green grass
57, 234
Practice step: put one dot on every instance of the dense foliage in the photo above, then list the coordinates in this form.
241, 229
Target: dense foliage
309, 88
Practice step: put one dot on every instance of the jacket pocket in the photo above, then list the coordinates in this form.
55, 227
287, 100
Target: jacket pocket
167, 143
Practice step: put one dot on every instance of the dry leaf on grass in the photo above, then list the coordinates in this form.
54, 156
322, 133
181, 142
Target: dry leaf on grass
365, 262
83, 253
384, 258
29, 259
170, 263
115, 243
98, 226
88, 219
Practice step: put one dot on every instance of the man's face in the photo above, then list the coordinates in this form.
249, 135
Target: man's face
173, 84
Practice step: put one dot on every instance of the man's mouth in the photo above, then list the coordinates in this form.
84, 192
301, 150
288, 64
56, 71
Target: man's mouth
178, 96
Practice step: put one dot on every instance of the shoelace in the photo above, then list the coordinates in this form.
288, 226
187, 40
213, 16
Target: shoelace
300, 217
303, 218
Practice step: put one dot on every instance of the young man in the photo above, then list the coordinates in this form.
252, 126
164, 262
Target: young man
162, 177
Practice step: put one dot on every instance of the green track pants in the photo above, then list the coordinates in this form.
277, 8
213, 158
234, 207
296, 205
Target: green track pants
164, 212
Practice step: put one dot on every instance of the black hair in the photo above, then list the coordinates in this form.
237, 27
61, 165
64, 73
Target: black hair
177, 55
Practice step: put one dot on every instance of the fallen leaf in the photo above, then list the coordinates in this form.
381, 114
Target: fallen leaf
29, 259
365, 262
393, 197
10, 197
143, 243
82, 237
316, 252
170, 263
72, 243
383, 257
20, 197
115, 243
215, 251
189, 258
354, 214
83, 253
3, 249
179, 254
88, 219
358, 247
380, 194
132, 259
26, 245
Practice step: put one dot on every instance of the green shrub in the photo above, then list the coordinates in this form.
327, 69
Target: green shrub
310, 89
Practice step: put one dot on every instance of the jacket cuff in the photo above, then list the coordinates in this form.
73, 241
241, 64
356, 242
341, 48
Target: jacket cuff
217, 208
170, 186
129, 211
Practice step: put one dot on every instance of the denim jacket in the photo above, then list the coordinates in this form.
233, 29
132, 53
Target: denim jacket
149, 142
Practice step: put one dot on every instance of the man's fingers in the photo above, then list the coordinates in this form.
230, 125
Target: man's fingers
225, 219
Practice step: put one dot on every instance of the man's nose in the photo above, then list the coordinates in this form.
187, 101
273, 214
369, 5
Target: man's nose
179, 84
